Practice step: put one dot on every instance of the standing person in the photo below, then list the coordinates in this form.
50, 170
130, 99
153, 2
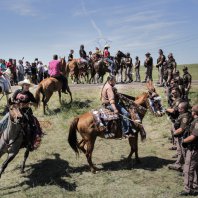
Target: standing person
106, 55
55, 72
129, 68
161, 59
180, 126
2, 65
171, 67
20, 71
173, 112
34, 72
187, 78
71, 56
137, 69
191, 161
148, 63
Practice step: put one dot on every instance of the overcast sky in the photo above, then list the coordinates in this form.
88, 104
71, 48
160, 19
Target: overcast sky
41, 28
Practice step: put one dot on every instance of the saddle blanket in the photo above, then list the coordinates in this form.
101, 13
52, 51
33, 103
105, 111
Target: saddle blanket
105, 115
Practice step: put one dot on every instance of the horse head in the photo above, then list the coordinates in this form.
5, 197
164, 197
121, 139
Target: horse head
15, 114
120, 55
154, 101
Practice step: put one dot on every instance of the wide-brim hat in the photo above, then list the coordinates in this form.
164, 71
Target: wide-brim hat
148, 53
26, 81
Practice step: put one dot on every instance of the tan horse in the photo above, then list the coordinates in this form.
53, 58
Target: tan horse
72, 70
86, 125
50, 85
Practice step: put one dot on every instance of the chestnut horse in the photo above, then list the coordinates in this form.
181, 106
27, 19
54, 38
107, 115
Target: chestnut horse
50, 85
86, 125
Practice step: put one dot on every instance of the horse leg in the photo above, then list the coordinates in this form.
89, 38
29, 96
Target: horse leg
81, 146
10, 157
59, 95
133, 141
90, 147
68, 90
137, 159
46, 99
24, 160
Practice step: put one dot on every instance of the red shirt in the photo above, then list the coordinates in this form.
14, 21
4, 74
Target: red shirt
106, 53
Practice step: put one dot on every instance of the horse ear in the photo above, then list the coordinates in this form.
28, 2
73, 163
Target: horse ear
10, 102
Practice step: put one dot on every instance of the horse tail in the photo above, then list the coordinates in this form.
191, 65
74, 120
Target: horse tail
72, 138
37, 94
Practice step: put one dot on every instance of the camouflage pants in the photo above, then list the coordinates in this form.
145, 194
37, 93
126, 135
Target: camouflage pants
191, 170
149, 74
181, 152
160, 74
137, 74
128, 74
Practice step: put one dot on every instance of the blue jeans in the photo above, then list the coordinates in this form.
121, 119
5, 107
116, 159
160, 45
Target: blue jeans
111, 67
126, 123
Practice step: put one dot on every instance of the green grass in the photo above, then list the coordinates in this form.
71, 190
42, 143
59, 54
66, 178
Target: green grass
54, 171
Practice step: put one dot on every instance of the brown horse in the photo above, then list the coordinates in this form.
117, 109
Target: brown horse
86, 125
50, 85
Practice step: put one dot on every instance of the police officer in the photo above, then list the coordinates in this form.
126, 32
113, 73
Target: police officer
129, 67
161, 59
173, 112
148, 63
187, 78
171, 67
179, 128
179, 81
191, 161
137, 69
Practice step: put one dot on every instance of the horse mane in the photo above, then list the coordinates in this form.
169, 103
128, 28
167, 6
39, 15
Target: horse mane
141, 98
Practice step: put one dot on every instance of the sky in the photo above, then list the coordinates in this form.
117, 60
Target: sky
41, 28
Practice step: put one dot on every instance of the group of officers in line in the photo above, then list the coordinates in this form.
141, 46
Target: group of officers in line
184, 130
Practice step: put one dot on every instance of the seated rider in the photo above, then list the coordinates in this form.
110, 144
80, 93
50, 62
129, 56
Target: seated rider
55, 72
83, 55
24, 97
108, 98
70, 57
106, 55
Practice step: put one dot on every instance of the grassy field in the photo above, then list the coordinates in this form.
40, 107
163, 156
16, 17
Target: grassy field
54, 171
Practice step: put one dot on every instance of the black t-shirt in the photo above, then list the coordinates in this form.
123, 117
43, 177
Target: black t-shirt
23, 96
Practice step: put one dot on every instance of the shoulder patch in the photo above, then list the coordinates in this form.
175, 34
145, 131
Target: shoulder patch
184, 120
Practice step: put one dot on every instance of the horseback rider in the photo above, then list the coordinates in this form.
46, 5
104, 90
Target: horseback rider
55, 72
108, 98
83, 54
106, 55
24, 97
70, 57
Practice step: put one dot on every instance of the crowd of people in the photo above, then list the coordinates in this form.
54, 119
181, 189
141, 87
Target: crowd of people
184, 118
